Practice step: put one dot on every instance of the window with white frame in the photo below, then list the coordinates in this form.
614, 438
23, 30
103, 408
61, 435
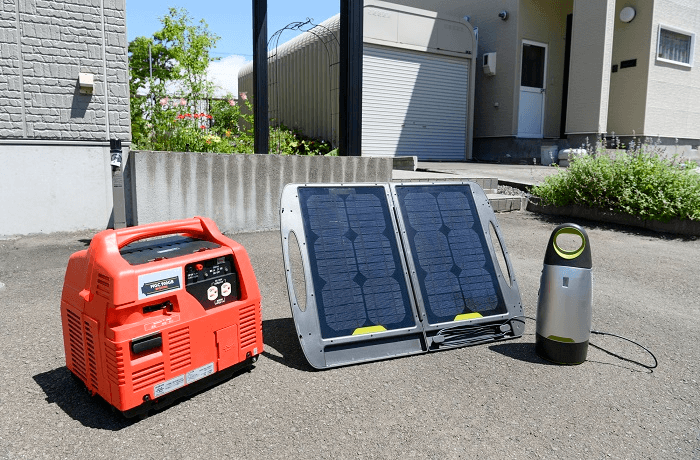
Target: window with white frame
675, 45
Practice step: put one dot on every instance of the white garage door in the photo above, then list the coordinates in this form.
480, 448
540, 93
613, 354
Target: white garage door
414, 103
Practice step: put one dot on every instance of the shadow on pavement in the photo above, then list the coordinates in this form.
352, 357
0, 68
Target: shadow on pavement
520, 351
64, 390
280, 334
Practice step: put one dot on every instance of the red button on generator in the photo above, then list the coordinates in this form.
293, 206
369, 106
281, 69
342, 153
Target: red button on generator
160, 311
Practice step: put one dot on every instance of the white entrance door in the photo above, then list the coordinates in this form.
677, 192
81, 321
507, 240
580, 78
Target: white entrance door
533, 84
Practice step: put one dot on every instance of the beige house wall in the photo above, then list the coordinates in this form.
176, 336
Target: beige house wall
673, 96
628, 87
589, 75
495, 107
544, 21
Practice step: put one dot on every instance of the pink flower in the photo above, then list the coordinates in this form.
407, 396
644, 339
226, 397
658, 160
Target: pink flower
244, 96
231, 102
183, 101
164, 101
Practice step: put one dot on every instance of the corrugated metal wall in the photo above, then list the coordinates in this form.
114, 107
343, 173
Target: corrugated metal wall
303, 82
414, 102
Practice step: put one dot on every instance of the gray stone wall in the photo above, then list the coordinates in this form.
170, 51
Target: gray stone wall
44, 44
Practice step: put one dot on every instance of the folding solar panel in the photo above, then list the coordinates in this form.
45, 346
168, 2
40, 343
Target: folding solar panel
358, 304
375, 293
460, 289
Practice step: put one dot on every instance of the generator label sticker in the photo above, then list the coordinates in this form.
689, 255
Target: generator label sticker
156, 283
199, 373
168, 386
170, 319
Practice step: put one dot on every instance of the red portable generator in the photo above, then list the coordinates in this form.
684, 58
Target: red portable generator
157, 312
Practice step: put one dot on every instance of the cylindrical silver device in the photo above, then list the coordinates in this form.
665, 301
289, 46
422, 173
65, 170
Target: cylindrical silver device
564, 306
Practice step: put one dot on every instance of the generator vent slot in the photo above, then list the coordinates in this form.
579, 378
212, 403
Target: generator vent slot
247, 326
76, 342
179, 344
148, 376
91, 358
114, 360
104, 286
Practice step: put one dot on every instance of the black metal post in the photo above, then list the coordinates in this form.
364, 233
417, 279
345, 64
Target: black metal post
260, 117
350, 88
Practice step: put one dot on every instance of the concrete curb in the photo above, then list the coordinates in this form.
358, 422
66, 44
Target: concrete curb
676, 226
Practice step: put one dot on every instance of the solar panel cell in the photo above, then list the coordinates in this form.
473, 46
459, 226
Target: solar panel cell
455, 274
354, 260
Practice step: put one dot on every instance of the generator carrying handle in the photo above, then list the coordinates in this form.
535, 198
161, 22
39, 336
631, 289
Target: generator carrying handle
201, 227
578, 258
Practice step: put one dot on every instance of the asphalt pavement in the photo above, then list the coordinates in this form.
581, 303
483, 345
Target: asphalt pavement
496, 400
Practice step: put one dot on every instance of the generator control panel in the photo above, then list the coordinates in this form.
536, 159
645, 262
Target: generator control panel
212, 282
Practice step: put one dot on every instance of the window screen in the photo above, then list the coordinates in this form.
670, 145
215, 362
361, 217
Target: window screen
354, 260
675, 46
453, 265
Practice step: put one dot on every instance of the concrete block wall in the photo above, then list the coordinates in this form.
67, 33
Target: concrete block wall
45, 44
239, 192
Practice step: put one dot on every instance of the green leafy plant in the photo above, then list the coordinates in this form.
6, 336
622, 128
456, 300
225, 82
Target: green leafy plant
193, 121
640, 181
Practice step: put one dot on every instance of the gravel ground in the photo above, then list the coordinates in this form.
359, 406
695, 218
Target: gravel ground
512, 191
489, 401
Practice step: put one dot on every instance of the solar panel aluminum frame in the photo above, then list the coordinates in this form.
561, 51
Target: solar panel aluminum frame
323, 353
509, 290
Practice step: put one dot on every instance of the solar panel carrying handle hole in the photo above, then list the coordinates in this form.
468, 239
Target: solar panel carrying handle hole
295, 272
500, 254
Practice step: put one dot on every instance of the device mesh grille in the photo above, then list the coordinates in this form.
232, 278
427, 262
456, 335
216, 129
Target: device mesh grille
76, 343
247, 326
91, 356
104, 286
114, 363
179, 343
148, 376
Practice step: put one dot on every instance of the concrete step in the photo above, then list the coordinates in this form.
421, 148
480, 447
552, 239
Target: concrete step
506, 203
489, 184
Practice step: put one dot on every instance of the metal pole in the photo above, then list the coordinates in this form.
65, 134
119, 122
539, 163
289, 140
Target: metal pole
150, 62
260, 114
350, 88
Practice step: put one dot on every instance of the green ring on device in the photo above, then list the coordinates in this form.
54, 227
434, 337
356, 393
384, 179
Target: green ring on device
569, 255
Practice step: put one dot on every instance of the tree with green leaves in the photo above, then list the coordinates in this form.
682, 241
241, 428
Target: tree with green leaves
177, 65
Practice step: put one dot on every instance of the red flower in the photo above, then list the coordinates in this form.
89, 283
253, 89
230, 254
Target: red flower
203, 127
209, 117
196, 115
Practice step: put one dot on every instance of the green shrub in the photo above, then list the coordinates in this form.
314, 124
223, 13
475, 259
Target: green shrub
640, 181
178, 56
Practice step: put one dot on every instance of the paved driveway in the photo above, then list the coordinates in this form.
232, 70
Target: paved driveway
489, 401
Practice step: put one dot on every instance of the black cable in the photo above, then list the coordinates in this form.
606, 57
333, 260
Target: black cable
656, 363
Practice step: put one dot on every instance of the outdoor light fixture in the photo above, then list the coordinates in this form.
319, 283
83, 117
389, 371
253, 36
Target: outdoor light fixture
627, 14
503, 15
